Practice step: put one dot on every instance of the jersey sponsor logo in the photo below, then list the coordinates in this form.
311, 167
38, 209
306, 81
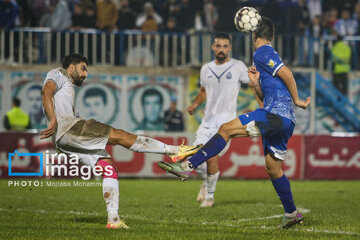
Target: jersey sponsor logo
271, 63
228, 75
209, 76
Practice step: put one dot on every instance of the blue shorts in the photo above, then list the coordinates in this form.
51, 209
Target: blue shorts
275, 130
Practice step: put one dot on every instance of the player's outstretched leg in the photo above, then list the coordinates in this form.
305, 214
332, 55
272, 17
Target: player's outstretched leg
149, 145
282, 186
211, 149
111, 194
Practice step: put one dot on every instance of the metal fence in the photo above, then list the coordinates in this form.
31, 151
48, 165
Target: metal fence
136, 48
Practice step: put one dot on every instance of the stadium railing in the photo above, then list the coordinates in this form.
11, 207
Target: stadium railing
153, 49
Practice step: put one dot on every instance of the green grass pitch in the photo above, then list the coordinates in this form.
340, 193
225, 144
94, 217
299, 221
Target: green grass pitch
167, 209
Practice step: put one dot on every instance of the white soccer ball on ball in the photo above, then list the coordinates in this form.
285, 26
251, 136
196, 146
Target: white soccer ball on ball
247, 19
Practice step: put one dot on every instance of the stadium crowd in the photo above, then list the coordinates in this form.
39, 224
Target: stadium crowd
302, 17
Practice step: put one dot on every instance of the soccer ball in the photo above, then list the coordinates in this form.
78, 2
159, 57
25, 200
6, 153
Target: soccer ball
247, 19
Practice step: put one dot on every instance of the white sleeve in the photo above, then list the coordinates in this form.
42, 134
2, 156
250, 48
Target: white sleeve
243, 76
202, 76
57, 77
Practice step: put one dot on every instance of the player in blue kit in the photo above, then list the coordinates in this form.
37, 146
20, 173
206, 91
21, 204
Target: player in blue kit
275, 85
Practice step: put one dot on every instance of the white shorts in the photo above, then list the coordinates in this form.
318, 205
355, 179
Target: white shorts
204, 134
87, 139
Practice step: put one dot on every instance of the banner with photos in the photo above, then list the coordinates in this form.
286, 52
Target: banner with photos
147, 99
129, 102
27, 86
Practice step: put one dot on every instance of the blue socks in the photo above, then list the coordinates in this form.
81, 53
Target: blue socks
212, 148
282, 187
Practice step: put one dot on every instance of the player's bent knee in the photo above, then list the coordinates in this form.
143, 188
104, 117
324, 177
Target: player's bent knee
224, 130
273, 173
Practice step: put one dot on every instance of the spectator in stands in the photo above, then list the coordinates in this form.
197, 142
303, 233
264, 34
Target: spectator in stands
8, 13
226, 10
45, 20
315, 8
107, 15
126, 19
90, 17
316, 30
346, 26
299, 18
185, 16
79, 20
356, 16
61, 17
330, 18
16, 119
173, 118
37, 9
169, 9
341, 56
198, 24
171, 26
148, 20
211, 15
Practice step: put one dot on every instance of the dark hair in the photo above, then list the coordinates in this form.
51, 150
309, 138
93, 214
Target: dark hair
266, 29
73, 58
16, 102
222, 35
95, 92
149, 92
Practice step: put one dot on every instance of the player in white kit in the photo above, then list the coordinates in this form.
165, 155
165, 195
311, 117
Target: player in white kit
88, 138
220, 82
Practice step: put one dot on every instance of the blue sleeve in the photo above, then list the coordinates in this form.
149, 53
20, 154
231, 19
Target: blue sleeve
269, 60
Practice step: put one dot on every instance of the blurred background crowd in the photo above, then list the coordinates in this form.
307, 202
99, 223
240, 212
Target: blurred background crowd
298, 17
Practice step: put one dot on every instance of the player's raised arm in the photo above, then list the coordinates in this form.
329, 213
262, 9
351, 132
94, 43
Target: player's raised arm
200, 98
47, 93
288, 78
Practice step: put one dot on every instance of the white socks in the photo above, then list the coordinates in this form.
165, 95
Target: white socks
150, 145
202, 171
291, 215
111, 196
211, 181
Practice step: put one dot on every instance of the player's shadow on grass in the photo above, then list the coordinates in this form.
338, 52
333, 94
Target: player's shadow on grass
89, 219
235, 202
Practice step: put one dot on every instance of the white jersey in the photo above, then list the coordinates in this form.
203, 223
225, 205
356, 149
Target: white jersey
64, 99
222, 84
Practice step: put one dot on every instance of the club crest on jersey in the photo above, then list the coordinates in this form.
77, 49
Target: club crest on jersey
228, 75
271, 63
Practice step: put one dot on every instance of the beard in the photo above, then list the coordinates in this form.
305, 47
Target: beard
77, 79
221, 57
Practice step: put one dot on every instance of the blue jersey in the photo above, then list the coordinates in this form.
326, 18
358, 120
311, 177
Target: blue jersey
277, 98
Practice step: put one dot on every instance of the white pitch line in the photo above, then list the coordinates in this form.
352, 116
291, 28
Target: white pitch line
302, 210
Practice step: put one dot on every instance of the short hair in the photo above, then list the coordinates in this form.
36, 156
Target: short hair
16, 102
266, 29
222, 35
151, 92
73, 58
95, 92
